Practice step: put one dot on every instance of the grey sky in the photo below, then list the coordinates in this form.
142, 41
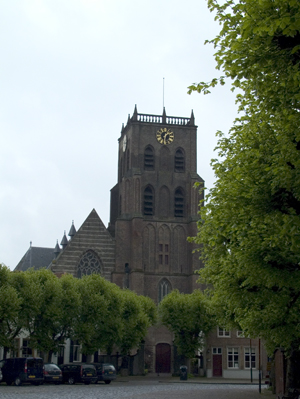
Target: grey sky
70, 73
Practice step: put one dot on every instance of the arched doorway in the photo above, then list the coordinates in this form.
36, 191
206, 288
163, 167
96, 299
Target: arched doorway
163, 358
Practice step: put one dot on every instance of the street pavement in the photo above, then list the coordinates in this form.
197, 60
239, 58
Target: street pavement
151, 387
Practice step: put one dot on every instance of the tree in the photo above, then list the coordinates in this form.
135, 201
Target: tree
249, 230
189, 318
138, 314
58, 310
98, 323
9, 309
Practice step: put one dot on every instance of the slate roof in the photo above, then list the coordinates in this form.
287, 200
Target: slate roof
36, 257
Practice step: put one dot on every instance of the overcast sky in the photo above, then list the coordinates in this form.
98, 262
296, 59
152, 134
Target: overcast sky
70, 73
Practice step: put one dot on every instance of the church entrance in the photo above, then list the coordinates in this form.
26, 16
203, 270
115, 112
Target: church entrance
163, 358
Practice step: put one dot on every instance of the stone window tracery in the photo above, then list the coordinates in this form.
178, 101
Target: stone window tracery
88, 264
164, 289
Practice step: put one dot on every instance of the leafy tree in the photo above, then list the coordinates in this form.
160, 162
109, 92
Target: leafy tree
98, 324
250, 227
138, 314
29, 298
58, 309
9, 310
189, 318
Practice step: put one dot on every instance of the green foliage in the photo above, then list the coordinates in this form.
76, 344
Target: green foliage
9, 308
91, 310
98, 322
138, 314
250, 227
188, 316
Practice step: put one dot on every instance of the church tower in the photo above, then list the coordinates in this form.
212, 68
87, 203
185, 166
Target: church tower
154, 208
154, 205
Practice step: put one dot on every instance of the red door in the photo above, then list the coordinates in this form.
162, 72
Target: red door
163, 358
217, 365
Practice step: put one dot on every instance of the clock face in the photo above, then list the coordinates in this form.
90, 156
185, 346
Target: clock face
124, 143
164, 136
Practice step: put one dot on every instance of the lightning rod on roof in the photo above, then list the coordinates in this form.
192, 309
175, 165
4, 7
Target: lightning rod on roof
163, 92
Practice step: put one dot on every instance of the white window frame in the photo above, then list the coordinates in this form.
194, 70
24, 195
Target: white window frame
240, 334
233, 357
223, 333
253, 357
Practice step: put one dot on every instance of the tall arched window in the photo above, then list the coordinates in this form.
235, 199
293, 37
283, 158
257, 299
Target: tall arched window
127, 159
149, 201
179, 201
164, 288
179, 161
149, 158
88, 264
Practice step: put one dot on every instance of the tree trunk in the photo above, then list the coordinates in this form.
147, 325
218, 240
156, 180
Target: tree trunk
5, 351
50, 353
293, 368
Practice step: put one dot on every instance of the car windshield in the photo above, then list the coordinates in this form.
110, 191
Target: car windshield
38, 363
49, 367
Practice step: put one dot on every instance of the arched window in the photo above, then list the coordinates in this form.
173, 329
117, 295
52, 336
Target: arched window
164, 288
149, 201
179, 161
88, 264
148, 158
179, 203
127, 159
121, 170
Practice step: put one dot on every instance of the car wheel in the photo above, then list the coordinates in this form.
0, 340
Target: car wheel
18, 382
71, 380
107, 381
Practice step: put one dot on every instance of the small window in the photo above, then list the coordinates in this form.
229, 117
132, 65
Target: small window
148, 201
26, 350
163, 256
179, 161
75, 352
240, 334
217, 351
148, 159
179, 203
250, 360
222, 332
233, 358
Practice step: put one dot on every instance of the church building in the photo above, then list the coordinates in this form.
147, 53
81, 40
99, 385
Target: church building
154, 208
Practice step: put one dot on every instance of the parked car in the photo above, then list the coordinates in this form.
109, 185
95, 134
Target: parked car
18, 370
52, 373
79, 372
106, 372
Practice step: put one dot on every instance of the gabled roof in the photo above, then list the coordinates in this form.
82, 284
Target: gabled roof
36, 257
